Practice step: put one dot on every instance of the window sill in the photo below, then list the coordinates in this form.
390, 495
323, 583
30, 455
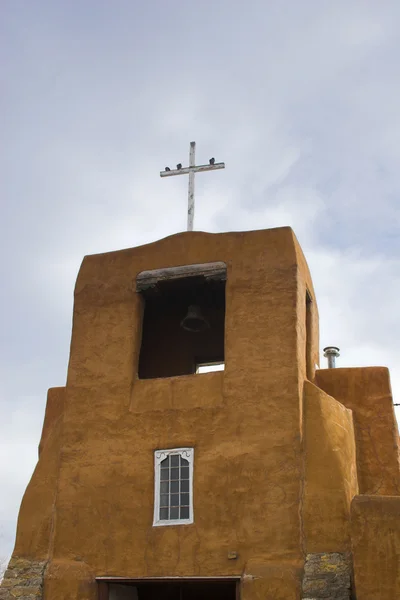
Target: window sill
173, 522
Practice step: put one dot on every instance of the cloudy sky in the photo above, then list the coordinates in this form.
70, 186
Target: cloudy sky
300, 99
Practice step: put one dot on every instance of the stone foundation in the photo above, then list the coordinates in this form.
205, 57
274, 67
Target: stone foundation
23, 580
327, 576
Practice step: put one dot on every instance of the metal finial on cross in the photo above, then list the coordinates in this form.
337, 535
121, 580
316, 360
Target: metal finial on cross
191, 170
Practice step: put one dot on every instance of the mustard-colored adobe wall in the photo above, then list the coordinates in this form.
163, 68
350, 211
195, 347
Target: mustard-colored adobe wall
307, 341
53, 414
245, 425
375, 531
276, 465
330, 472
36, 516
367, 392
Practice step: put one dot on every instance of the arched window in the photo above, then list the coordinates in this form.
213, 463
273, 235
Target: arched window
173, 502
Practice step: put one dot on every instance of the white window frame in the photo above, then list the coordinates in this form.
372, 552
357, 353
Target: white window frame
159, 456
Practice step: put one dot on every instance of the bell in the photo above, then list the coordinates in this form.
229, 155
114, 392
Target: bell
194, 320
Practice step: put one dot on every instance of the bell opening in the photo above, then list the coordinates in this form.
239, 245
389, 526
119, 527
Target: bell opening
183, 326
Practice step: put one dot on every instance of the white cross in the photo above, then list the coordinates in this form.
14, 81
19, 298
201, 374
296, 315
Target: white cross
191, 170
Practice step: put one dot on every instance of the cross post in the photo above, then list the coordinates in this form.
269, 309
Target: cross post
191, 170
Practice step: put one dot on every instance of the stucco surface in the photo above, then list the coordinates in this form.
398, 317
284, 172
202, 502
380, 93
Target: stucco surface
330, 472
37, 512
272, 579
375, 529
367, 392
245, 425
178, 393
277, 459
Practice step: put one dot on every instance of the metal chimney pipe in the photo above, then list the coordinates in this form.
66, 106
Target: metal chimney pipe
331, 353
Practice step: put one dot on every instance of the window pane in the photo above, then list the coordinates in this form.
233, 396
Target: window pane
174, 512
184, 462
175, 487
164, 487
165, 462
184, 485
175, 473
164, 474
174, 499
164, 500
184, 512
184, 472
164, 514
175, 460
184, 499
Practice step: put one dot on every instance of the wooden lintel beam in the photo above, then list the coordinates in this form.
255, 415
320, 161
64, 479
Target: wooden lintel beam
148, 279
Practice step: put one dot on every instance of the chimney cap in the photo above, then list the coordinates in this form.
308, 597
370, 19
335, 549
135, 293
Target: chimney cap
332, 350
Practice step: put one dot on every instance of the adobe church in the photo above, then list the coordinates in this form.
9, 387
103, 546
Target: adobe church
269, 479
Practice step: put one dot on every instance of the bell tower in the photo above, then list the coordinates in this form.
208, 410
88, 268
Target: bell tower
157, 479
134, 357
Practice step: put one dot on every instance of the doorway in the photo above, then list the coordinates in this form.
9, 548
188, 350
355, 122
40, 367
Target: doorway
162, 589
